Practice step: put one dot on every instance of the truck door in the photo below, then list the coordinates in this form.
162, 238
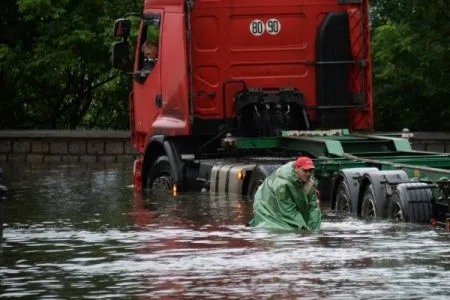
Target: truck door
147, 73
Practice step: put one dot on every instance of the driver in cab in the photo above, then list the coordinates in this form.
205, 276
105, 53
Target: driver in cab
150, 52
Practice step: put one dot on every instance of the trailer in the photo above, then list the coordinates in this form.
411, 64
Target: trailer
233, 90
369, 175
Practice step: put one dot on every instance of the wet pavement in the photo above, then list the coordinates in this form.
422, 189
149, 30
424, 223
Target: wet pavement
80, 232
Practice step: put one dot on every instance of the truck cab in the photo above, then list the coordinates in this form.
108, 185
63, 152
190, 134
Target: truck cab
227, 69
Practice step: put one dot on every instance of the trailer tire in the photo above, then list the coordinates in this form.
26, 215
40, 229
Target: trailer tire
343, 199
160, 178
369, 207
395, 210
408, 205
377, 189
352, 178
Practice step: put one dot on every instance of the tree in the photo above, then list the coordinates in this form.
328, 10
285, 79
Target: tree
55, 68
410, 51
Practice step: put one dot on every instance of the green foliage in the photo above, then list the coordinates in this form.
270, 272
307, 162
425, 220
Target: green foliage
410, 42
55, 69
153, 34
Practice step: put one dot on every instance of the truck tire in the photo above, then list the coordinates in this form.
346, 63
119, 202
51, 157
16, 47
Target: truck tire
257, 177
411, 205
352, 179
343, 200
378, 190
256, 180
396, 208
160, 177
370, 208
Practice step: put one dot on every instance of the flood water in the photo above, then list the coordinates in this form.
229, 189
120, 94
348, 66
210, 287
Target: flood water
80, 232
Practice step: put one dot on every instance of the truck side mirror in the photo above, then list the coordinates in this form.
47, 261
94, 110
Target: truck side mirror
121, 55
122, 28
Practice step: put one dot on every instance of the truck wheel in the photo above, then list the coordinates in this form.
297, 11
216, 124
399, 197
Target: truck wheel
256, 179
411, 205
395, 210
160, 177
342, 200
259, 174
369, 204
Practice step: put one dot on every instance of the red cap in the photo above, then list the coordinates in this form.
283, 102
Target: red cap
304, 162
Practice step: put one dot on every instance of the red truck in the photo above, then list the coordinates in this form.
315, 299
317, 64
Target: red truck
225, 91
230, 69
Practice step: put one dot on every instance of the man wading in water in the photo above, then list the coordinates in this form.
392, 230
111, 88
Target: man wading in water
287, 199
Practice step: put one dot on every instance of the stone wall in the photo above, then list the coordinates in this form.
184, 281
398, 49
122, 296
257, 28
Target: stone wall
56, 146
65, 146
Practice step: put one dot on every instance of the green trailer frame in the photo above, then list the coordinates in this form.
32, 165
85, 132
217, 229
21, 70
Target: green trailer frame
338, 150
333, 153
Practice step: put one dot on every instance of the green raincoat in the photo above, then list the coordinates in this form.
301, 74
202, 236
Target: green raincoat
284, 202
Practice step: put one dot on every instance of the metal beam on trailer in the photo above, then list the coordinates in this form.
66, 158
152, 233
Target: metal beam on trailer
343, 150
351, 143
399, 143
316, 146
257, 143
436, 161
413, 170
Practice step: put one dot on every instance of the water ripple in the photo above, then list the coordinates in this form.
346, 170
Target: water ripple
81, 233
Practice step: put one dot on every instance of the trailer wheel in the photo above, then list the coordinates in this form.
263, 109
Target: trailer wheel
343, 199
369, 204
395, 211
411, 205
160, 177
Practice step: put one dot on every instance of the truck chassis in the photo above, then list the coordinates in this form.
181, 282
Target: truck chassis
366, 175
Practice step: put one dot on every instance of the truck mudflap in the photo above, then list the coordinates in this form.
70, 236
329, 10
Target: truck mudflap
137, 174
230, 178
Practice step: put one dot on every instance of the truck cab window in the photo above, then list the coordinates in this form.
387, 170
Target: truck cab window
149, 46
150, 51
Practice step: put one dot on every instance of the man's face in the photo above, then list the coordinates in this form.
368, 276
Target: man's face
150, 51
303, 174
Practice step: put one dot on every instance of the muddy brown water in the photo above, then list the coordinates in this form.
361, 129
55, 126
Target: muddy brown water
80, 232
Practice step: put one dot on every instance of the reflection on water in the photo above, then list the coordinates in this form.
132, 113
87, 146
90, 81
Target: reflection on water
80, 232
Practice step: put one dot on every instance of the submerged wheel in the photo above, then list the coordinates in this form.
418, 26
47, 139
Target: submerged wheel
369, 204
342, 200
160, 176
395, 211
411, 202
257, 177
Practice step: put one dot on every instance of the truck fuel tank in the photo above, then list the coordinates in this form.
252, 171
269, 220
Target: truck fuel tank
230, 178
